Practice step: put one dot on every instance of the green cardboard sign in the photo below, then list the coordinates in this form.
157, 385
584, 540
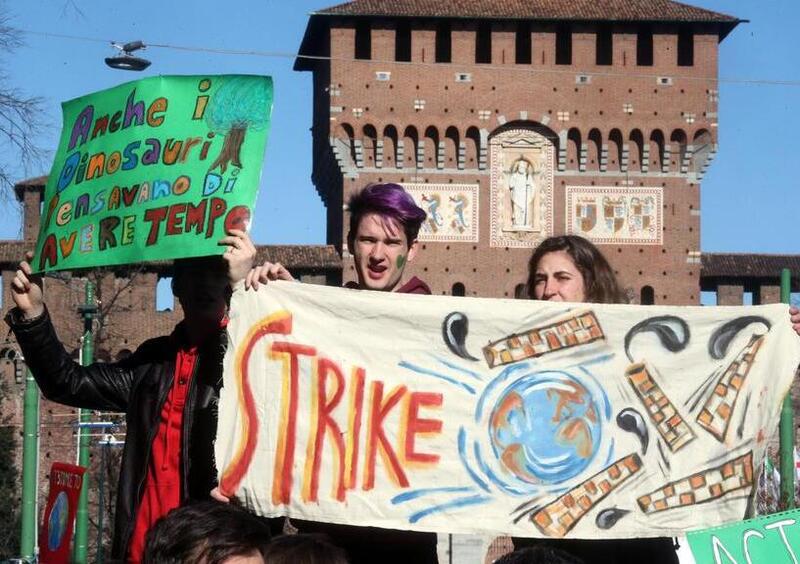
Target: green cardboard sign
773, 539
154, 169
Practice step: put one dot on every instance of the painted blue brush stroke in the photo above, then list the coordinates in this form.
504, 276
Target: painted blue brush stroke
460, 369
428, 372
610, 456
455, 504
462, 453
606, 402
408, 496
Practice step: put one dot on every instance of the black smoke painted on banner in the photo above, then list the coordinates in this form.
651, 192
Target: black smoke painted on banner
721, 338
672, 331
455, 329
607, 518
632, 421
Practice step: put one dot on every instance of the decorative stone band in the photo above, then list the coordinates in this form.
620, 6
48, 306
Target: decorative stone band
701, 487
559, 517
715, 417
671, 426
578, 329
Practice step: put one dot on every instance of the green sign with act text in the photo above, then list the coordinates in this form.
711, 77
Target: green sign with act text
773, 539
154, 169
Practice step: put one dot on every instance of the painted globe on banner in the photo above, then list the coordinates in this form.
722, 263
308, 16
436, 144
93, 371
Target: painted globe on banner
545, 427
57, 523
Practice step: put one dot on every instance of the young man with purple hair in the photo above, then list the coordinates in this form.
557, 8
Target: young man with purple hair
384, 223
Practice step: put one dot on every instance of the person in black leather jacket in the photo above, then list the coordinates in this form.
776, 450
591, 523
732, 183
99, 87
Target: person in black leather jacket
168, 388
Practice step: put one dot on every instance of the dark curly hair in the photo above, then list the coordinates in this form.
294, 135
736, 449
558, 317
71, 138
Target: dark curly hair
208, 531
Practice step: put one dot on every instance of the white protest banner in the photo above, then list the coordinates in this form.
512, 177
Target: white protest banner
479, 416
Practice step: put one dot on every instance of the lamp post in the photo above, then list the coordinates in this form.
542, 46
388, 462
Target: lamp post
30, 463
787, 468
88, 311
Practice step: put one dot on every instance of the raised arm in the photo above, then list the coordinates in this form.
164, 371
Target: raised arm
99, 386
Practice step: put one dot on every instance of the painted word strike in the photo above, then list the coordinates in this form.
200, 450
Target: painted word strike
349, 418
368, 406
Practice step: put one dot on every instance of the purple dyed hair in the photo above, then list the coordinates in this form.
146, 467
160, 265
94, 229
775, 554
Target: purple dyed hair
387, 200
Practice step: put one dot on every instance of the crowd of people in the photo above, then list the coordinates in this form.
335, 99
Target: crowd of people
169, 509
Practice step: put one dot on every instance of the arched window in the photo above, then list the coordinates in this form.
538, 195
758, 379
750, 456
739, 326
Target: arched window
636, 150
702, 147
390, 145
678, 142
370, 145
647, 296
410, 142
473, 147
614, 149
345, 134
451, 141
656, 150
459, 289
431, 147
573, 148
594, 148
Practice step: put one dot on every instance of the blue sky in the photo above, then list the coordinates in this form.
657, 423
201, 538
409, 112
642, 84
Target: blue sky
749, 196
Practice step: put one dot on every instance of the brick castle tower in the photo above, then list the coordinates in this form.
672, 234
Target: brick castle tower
512, 121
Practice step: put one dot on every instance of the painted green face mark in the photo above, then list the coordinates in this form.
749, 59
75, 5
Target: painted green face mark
401, 262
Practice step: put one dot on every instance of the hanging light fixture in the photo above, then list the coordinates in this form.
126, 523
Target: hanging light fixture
126, 60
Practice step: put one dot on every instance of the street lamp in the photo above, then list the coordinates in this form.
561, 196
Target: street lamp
126, 60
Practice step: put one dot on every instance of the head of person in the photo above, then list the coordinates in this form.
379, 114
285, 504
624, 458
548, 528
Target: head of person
207, 532
304, 549
384, 224
540, 554
568, 268
202, 288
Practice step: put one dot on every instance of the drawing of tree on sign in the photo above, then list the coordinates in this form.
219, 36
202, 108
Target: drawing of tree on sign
241, 103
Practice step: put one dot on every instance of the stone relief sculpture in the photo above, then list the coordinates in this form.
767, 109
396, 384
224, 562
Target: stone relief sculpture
521, 187
523, 190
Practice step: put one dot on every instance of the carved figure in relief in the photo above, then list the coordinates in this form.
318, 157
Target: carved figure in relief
434, 220
523, 191
458, 222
